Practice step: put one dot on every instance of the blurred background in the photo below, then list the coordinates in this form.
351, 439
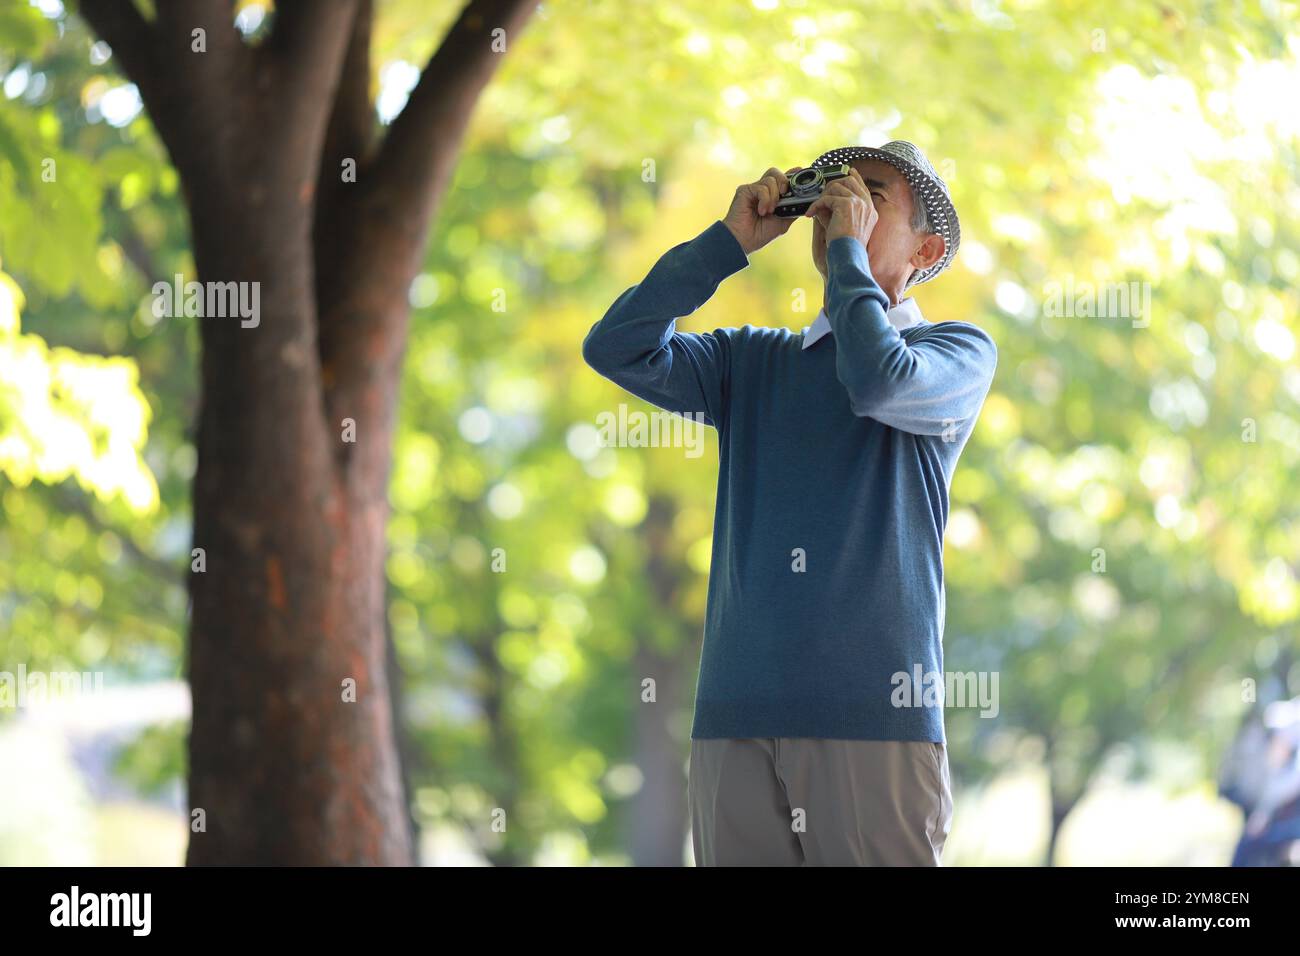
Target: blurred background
1123, 548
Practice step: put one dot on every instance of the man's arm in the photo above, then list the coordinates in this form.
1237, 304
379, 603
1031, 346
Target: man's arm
637, 346
925, 386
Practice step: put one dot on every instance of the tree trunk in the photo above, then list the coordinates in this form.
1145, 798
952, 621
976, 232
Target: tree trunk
288, 613
1059, 813
659, 813
1061, 800
290, 606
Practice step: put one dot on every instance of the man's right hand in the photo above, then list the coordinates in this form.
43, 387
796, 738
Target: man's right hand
750, 217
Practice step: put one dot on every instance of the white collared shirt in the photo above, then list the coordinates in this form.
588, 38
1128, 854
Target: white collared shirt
904, 315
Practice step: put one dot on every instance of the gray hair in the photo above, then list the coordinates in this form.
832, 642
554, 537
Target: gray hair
921, 221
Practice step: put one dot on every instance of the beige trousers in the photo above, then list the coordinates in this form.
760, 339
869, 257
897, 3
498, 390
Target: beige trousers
802, 801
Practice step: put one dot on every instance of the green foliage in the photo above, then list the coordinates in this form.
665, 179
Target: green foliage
154, 759
94, 402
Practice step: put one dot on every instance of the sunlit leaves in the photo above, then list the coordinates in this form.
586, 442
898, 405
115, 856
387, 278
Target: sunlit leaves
65, 415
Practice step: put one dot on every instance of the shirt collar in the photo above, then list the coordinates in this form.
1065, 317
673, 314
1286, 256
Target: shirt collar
907, 313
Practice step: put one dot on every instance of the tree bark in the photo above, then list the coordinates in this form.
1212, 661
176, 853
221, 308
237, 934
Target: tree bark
659, 814
1059, 813
292, 517
1061, 799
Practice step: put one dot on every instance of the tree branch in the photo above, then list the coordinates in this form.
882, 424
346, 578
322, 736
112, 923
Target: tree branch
309, 39
352, 125
422, 144
119, 24
177, 19
379, 227
294, 80
350, 133
137, 252
188, 94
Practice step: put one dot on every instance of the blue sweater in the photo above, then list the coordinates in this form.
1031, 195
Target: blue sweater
835, 463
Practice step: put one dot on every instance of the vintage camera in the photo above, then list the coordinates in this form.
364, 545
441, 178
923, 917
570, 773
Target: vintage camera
805, 186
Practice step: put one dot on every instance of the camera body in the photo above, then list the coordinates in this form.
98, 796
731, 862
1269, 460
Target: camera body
805, 186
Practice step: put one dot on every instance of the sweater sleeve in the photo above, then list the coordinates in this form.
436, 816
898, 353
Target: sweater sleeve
923, 383
637, 345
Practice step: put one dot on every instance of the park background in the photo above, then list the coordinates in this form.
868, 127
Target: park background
1084, 144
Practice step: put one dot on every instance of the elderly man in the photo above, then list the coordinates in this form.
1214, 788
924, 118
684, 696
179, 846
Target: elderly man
812, 743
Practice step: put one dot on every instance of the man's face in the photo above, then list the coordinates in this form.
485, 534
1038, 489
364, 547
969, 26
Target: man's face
894, 249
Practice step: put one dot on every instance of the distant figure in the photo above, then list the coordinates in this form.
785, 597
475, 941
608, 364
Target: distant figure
1261, 774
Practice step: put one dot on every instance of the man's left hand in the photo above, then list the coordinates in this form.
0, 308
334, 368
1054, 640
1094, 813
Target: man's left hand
845, 209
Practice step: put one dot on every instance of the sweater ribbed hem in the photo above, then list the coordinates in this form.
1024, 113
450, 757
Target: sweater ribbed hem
827, 719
